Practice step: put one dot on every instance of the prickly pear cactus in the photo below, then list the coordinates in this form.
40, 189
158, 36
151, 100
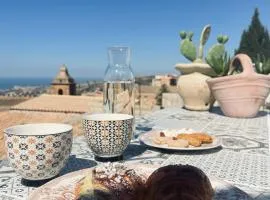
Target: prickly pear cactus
217, 50
187, 47
215, 53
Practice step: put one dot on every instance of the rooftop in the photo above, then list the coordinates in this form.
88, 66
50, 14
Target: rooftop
62, 104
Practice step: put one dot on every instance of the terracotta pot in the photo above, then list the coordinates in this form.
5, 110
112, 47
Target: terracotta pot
241, 95
195, 91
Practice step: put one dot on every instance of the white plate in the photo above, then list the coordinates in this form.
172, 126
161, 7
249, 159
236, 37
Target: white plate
64, 186
147, 138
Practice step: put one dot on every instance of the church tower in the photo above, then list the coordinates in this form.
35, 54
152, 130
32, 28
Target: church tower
63, 84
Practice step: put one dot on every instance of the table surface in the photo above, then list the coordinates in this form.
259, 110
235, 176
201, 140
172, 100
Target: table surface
243, 160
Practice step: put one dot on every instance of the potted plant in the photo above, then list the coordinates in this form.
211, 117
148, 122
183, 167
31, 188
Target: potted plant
239, 95
262, 64
191, 84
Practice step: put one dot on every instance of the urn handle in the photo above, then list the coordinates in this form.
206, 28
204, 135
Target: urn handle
243, 60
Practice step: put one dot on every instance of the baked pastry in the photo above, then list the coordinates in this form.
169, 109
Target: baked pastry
203, 137
111, 181
161, 140
178, 143
191, 140
178, 182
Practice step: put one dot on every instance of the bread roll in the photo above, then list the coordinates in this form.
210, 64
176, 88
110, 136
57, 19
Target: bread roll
178, 182
109, 182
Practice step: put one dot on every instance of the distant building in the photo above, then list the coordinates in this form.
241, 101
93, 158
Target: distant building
63, 84
168, 80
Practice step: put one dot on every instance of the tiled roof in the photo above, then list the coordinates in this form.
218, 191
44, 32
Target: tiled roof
62, 103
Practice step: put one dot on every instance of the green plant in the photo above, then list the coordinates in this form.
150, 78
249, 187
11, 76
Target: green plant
188, 49
218, 50
220, 64
163, 89
255, 39
262, 64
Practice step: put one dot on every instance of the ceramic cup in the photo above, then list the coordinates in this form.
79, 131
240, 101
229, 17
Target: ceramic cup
108, 135
38, 151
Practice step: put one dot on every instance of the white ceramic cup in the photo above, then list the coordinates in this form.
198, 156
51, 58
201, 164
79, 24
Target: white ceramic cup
38, 151
108, 135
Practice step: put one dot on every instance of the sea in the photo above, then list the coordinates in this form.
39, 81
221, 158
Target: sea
8, 83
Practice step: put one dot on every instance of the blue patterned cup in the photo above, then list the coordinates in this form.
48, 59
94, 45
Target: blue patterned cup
38, 151
108, 135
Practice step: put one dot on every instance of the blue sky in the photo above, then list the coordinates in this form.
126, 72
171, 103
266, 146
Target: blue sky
36, 37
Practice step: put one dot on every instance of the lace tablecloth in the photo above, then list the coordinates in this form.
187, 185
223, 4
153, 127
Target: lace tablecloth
243, 160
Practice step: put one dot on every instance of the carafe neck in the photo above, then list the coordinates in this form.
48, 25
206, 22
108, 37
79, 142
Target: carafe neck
119, 57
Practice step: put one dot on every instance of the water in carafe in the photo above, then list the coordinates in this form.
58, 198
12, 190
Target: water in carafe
119, 82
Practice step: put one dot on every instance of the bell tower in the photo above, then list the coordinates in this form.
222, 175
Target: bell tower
63, 84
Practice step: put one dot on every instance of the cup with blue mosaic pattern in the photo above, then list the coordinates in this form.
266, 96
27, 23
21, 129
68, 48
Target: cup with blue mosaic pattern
38, 151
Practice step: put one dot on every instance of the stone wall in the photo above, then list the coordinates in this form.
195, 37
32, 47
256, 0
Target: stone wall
172, 100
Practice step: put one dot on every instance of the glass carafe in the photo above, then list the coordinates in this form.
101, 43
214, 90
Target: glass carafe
119, 82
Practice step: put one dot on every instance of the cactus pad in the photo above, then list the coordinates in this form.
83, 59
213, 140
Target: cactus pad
183, 35
205, 34
204, 37
215, 52
188, 49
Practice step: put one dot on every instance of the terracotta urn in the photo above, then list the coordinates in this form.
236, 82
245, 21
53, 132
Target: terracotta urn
195, 91
241, 95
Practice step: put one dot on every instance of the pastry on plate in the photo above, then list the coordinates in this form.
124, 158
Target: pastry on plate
161, 140
178, 143
203, 137
172, 182
178, 182
191, 140
109, 181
